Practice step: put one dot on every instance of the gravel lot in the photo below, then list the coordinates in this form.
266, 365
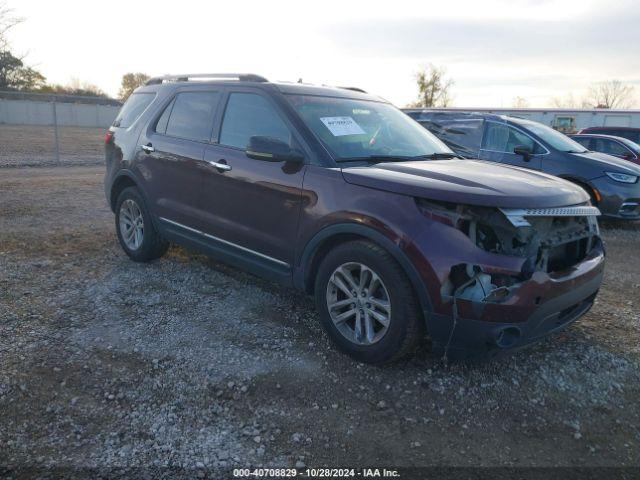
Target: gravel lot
187, 363
31, 145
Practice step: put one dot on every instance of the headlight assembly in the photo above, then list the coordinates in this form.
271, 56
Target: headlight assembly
622, 177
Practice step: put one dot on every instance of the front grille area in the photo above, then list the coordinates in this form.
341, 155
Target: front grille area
562, 257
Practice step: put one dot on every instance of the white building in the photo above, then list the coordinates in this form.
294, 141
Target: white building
562, 119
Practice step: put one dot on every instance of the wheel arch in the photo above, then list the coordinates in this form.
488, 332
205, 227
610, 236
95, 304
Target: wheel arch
123, 180
330, 237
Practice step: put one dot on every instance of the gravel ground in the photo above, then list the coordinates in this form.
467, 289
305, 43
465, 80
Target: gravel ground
187, 363
30, 145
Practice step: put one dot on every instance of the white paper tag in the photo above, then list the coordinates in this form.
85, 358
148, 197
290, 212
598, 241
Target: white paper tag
340, 126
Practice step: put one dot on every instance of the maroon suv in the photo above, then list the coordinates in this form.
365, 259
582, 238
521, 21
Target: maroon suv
340, 194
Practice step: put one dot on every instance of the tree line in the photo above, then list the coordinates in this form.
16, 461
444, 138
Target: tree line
16, 75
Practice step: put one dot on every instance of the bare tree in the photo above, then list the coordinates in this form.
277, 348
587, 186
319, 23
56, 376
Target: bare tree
433, 88
7, 21
568, 101
131, 81
610, 94
520, 102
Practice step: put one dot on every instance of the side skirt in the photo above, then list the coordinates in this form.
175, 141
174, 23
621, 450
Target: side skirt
226, 252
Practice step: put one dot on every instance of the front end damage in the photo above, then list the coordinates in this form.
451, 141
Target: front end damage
527, 273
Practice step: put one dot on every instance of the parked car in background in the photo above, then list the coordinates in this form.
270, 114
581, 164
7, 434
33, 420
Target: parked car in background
611, 182
617, 146
630, 133
338, 193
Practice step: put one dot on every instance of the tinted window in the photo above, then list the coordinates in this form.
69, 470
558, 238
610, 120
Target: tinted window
503, 138
161, 124
248, 115
463, 136
132, 109
192, 115
584, 141
609, 146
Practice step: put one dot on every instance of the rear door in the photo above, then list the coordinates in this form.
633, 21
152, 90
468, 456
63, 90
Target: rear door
171, 155
253, 206
499, 141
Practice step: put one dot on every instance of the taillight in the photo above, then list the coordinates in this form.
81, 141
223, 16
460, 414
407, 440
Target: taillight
108, 138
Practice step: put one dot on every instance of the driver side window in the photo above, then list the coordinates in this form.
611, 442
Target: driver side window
504, 138
248, 115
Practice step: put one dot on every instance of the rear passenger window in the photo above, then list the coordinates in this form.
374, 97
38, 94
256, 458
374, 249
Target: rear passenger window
191, 116
132, 109
248, 115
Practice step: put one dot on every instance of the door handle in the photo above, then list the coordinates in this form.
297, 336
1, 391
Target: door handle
147, 148
221, 165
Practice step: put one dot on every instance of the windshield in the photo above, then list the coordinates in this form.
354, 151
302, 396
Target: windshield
366, 130
554, 138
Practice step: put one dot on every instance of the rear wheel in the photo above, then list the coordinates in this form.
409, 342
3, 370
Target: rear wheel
366, 303
136, 233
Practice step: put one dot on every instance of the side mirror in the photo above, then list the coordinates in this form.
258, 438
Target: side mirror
629, 156
272, 150
524, 151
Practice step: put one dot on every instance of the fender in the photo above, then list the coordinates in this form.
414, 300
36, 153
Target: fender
302, 267
130, 174
125, 172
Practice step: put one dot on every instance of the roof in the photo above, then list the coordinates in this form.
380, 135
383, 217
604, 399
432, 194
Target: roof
257, 80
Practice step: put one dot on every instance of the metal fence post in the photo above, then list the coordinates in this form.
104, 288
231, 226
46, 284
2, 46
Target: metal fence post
55, 130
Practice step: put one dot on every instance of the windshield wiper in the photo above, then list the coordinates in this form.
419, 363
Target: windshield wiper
377, 158
438, 156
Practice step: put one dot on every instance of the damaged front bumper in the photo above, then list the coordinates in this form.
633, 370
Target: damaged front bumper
541, 305
522, 275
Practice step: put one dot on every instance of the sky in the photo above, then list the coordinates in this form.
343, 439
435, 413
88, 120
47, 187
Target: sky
494, 50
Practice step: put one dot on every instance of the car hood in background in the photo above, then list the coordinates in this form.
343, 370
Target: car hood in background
470, 182
609, 163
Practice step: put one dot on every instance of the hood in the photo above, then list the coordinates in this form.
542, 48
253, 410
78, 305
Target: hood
469, 182
608, 163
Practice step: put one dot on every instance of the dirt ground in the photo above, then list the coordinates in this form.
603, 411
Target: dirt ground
187, 363
31, 145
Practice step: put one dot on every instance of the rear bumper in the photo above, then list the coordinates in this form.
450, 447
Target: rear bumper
484, 329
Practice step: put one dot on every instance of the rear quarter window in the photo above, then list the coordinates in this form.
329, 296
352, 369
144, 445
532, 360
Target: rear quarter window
135, 105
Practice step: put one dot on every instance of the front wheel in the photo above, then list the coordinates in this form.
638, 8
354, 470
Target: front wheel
367, 304
136, 233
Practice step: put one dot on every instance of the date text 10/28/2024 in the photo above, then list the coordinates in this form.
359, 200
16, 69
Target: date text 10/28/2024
316, 472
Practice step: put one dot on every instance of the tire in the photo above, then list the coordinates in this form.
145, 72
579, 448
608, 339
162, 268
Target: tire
149, 245
404, 325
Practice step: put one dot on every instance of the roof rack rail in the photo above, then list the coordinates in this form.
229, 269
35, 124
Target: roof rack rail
241, 77
355, 89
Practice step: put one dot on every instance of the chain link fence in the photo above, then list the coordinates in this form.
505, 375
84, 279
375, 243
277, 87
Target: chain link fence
40, 129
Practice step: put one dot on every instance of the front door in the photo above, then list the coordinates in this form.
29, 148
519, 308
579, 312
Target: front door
252, 206
499, 142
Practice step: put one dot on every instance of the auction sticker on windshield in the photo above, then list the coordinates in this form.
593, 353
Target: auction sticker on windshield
340, 126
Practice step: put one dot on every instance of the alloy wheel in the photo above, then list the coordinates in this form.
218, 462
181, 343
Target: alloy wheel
358, 303
131, 224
